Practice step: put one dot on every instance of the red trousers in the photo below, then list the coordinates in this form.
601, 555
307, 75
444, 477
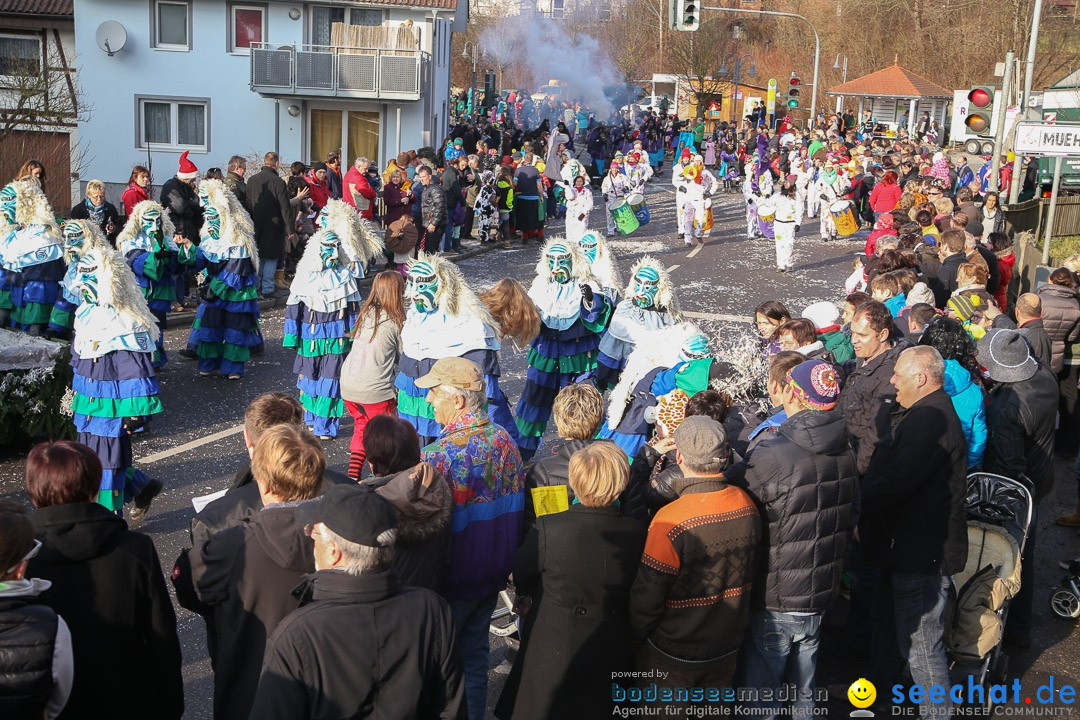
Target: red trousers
361, 413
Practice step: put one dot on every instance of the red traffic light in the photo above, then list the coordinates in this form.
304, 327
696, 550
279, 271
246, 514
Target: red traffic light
980, 97
794, 80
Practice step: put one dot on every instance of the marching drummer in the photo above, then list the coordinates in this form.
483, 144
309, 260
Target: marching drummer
615, 187
830, 187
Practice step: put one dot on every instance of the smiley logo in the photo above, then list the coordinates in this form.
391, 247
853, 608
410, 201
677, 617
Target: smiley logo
862, 693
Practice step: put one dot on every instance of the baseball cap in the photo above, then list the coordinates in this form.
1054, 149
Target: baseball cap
703, 443
455, 372
355, 512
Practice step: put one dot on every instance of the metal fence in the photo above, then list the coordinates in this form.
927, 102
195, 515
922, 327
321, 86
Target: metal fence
1030, 216
323, 70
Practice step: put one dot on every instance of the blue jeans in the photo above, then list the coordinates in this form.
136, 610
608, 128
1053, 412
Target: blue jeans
909, 625
781, 649
267, 268
471, 620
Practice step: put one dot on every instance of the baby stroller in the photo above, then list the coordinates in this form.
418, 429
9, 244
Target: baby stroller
998, 513
729, 172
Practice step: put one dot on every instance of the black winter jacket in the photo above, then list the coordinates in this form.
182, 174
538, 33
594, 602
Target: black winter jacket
1020, 423
271, 214
182, 203
108, 586
944, 284
867, 402
242, 578
1061, 319
362, 646
111, 215
803, 482
27, 640
912, 503
1042, 347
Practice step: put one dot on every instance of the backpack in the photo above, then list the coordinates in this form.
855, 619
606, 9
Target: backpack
990, 578
401, 236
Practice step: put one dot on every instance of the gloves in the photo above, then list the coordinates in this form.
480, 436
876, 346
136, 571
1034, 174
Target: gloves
682, 188
749, 202
797, 228
581, 217
587, 294
824, 197
708, 195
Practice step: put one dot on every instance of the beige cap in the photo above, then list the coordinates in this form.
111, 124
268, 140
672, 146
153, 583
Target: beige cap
455, 372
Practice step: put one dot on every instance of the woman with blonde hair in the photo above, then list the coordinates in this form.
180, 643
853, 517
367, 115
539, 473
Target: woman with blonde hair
32, 170
367, 377
577, 566
513, 311
98, 210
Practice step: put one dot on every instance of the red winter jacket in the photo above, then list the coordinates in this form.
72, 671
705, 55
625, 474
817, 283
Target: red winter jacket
132, 197
320, 191
883, 198
1005, 267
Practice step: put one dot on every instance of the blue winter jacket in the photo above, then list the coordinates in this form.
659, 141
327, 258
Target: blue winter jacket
968, 401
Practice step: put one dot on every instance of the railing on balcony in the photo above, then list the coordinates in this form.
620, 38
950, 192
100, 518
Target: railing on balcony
332, 71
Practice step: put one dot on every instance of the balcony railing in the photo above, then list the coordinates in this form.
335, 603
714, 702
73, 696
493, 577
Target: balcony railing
328, 71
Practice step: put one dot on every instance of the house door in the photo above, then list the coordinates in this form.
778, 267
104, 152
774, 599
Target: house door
355, 132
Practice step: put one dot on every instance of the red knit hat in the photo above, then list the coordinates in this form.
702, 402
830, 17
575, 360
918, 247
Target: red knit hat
685, 154
187, 170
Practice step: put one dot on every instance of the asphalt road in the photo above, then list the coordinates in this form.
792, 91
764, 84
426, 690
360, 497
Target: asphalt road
196, 443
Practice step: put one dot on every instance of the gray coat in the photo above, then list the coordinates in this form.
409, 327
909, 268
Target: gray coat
1061, 318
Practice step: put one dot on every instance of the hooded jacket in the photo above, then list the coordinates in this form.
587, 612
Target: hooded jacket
242, 578
970, 405
1061, 319
802, 480
1021, 418
838, 344
108, 586
36, 667
422, 549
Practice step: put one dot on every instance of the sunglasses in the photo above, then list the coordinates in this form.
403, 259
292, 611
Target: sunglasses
33, 553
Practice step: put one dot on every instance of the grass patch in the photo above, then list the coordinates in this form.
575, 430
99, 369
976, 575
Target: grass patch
1061, 248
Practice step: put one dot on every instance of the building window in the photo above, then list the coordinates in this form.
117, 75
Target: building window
323, 19
173, 124
247, 25
172, 25
557, 9
20, 55
366, 16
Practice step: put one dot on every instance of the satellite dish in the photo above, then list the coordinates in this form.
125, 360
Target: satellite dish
111, 37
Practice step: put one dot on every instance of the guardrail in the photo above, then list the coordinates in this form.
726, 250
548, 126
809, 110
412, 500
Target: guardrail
331, 71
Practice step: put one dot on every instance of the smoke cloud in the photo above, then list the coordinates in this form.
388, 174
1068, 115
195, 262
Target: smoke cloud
538, 45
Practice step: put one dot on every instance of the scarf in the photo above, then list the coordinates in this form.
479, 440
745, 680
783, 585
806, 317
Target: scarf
97, 212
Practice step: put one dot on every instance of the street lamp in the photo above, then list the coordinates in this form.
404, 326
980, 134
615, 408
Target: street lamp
475, 56
737, 68
836, 66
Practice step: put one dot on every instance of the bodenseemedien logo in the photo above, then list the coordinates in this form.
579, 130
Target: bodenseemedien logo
862, 695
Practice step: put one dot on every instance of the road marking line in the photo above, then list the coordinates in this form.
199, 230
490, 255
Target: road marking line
695, 251
191, 445
717, 316
673, 268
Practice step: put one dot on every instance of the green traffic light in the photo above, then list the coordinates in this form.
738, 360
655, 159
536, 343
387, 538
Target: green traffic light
793, 103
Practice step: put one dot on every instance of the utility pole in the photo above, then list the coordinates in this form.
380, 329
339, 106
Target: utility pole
999, 134
1029, 73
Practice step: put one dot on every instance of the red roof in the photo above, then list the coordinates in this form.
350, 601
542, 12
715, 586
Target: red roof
430, 4
893, 81
48, 8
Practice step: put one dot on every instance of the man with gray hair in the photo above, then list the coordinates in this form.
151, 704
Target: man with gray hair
360, 645
690, 604
358, 191
482, 464
912, 525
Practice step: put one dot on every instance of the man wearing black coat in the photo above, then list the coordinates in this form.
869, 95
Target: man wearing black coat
803, 481
360, 645
273, 219
242, 578
181, 201
1030, 323
912, 525
952, 256
1020, 421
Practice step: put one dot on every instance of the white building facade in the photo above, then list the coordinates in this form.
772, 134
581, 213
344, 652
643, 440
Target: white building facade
219, 78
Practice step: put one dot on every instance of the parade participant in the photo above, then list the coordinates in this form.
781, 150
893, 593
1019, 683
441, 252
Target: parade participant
615, 187
79, 237
31, 253
226, 324
648, 305
486, 210
693, 206
755, 190
709, 186
579, 203
637, 172
678, 179
804, 171
595, 250
830, 187
324, 301
786, 224
446, 319
148, 243
573, 313
114, 384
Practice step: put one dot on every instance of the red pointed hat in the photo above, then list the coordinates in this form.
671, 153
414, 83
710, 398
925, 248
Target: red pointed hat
187, 170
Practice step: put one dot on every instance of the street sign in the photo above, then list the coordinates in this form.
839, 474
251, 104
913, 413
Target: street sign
1049, 118
1047, 139
770, 99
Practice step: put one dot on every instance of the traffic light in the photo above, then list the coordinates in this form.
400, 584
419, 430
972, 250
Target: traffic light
489, 89
687, 15
793, 90
980, 110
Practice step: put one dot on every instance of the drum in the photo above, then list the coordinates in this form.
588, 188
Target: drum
624, 217
766, 213
637, 204
844, 218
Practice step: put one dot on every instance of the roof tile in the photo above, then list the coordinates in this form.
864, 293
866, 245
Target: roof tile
50, 8
430, 4
893, 81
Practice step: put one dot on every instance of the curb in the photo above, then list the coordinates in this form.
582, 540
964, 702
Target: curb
188, 316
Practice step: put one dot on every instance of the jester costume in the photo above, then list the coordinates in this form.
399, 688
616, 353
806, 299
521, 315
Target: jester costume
670, 370
147, 243
324, 302
446, 319
115, 388
32, 257
226, 325
649, 305
79, 237
594, 249
573, 312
